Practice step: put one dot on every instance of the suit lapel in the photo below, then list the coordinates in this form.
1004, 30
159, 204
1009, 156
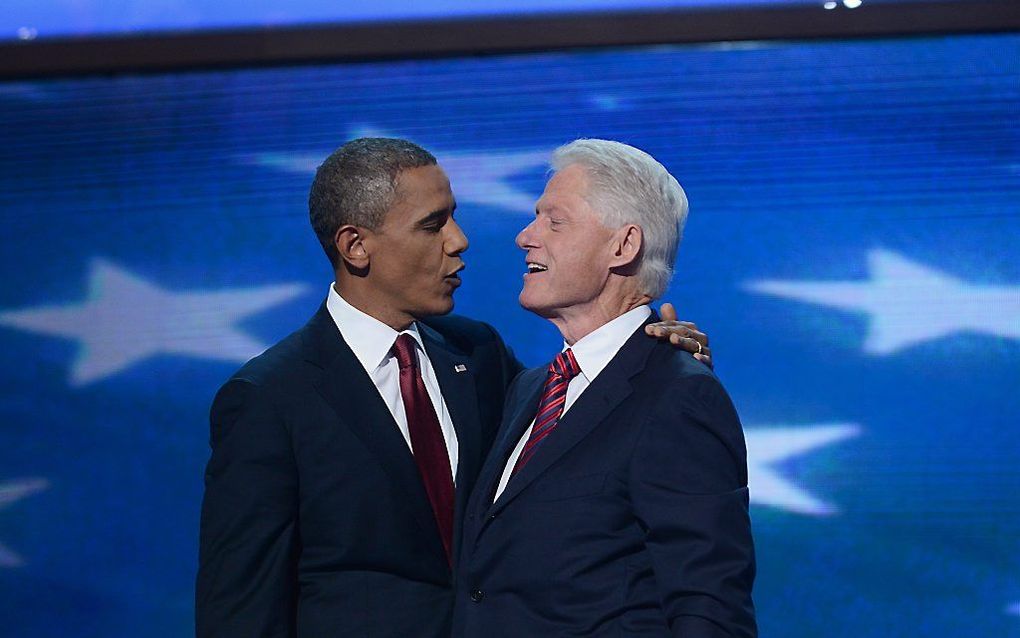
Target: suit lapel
456, 375
349, 390
516, 420
597, 401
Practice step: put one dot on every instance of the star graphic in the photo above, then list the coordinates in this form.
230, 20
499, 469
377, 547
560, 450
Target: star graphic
767, 446
476, 178
908, 303
126, 319
607, 101
10, 493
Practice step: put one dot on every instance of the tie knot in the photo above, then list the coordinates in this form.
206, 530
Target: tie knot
403, 350
565, 365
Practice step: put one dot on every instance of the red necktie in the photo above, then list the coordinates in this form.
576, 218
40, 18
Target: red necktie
427, 440
562, 369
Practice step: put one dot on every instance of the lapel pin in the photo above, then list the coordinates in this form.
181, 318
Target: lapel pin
460, 367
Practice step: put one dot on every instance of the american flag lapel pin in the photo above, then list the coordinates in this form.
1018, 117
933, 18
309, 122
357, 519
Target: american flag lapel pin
460, 367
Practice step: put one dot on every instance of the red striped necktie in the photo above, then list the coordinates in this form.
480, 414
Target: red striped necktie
562, 369
427, 439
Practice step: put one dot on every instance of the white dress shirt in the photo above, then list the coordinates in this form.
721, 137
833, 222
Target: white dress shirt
371, 341
593, 353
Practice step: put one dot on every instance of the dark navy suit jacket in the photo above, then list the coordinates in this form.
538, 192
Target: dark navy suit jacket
631, 518
315, 521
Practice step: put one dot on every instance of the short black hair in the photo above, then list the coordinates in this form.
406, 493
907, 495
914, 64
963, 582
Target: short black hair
357, 184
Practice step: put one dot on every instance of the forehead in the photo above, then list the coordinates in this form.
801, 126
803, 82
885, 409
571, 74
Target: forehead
566, 189
419, 192
423, 181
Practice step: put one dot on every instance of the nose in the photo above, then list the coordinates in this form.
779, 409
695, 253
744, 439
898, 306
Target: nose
524, 238
456, 241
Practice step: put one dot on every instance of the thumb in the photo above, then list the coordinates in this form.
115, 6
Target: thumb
667, 312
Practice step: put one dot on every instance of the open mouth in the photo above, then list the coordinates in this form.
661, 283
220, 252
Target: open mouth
453, 278
535, 267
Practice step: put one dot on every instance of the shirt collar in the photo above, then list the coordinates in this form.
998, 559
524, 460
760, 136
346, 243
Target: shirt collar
595, 350
369, 338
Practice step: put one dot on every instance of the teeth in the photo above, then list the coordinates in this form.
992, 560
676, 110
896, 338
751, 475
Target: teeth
533, 267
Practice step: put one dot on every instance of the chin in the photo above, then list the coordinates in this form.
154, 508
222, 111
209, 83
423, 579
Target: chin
525, 301
440, 307
535, 306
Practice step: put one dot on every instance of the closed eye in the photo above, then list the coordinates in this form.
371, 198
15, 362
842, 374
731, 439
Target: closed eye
434, 221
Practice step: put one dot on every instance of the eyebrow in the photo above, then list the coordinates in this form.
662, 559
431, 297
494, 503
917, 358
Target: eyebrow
436, 215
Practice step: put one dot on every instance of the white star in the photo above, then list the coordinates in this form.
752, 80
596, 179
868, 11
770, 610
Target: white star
480, 178
768, 446
477, 178
10, 493
126, 319
909, 303
606, 101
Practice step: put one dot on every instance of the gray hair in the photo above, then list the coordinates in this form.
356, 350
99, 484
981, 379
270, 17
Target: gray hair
357, 184
628, 186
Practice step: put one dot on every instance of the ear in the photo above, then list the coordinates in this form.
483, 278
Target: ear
627, 243
350, 245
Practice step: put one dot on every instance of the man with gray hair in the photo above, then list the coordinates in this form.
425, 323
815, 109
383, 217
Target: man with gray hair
614, 501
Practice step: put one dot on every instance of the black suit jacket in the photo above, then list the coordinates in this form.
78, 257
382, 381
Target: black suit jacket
630, 519
315, 521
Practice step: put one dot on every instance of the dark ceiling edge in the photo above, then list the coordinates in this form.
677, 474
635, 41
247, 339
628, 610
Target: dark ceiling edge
382, 41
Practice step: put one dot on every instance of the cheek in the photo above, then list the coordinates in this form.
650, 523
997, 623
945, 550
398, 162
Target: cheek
580, 257
416, 260
588, 281
587, 267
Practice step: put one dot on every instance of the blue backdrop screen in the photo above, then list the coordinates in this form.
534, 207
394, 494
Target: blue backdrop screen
28, 19
853, 249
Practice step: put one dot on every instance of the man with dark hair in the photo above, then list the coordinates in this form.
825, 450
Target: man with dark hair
357, 184
342, 456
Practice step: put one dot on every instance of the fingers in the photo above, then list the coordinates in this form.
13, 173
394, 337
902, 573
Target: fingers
669, 322
687, 343
690, 342
706, 359
677, 331
684, 338
692, 331
699, 336
664, 329
667, 312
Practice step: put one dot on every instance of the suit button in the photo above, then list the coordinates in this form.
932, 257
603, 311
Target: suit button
477, 595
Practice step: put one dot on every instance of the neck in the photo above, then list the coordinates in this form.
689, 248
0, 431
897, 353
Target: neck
361, 298
577, 322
